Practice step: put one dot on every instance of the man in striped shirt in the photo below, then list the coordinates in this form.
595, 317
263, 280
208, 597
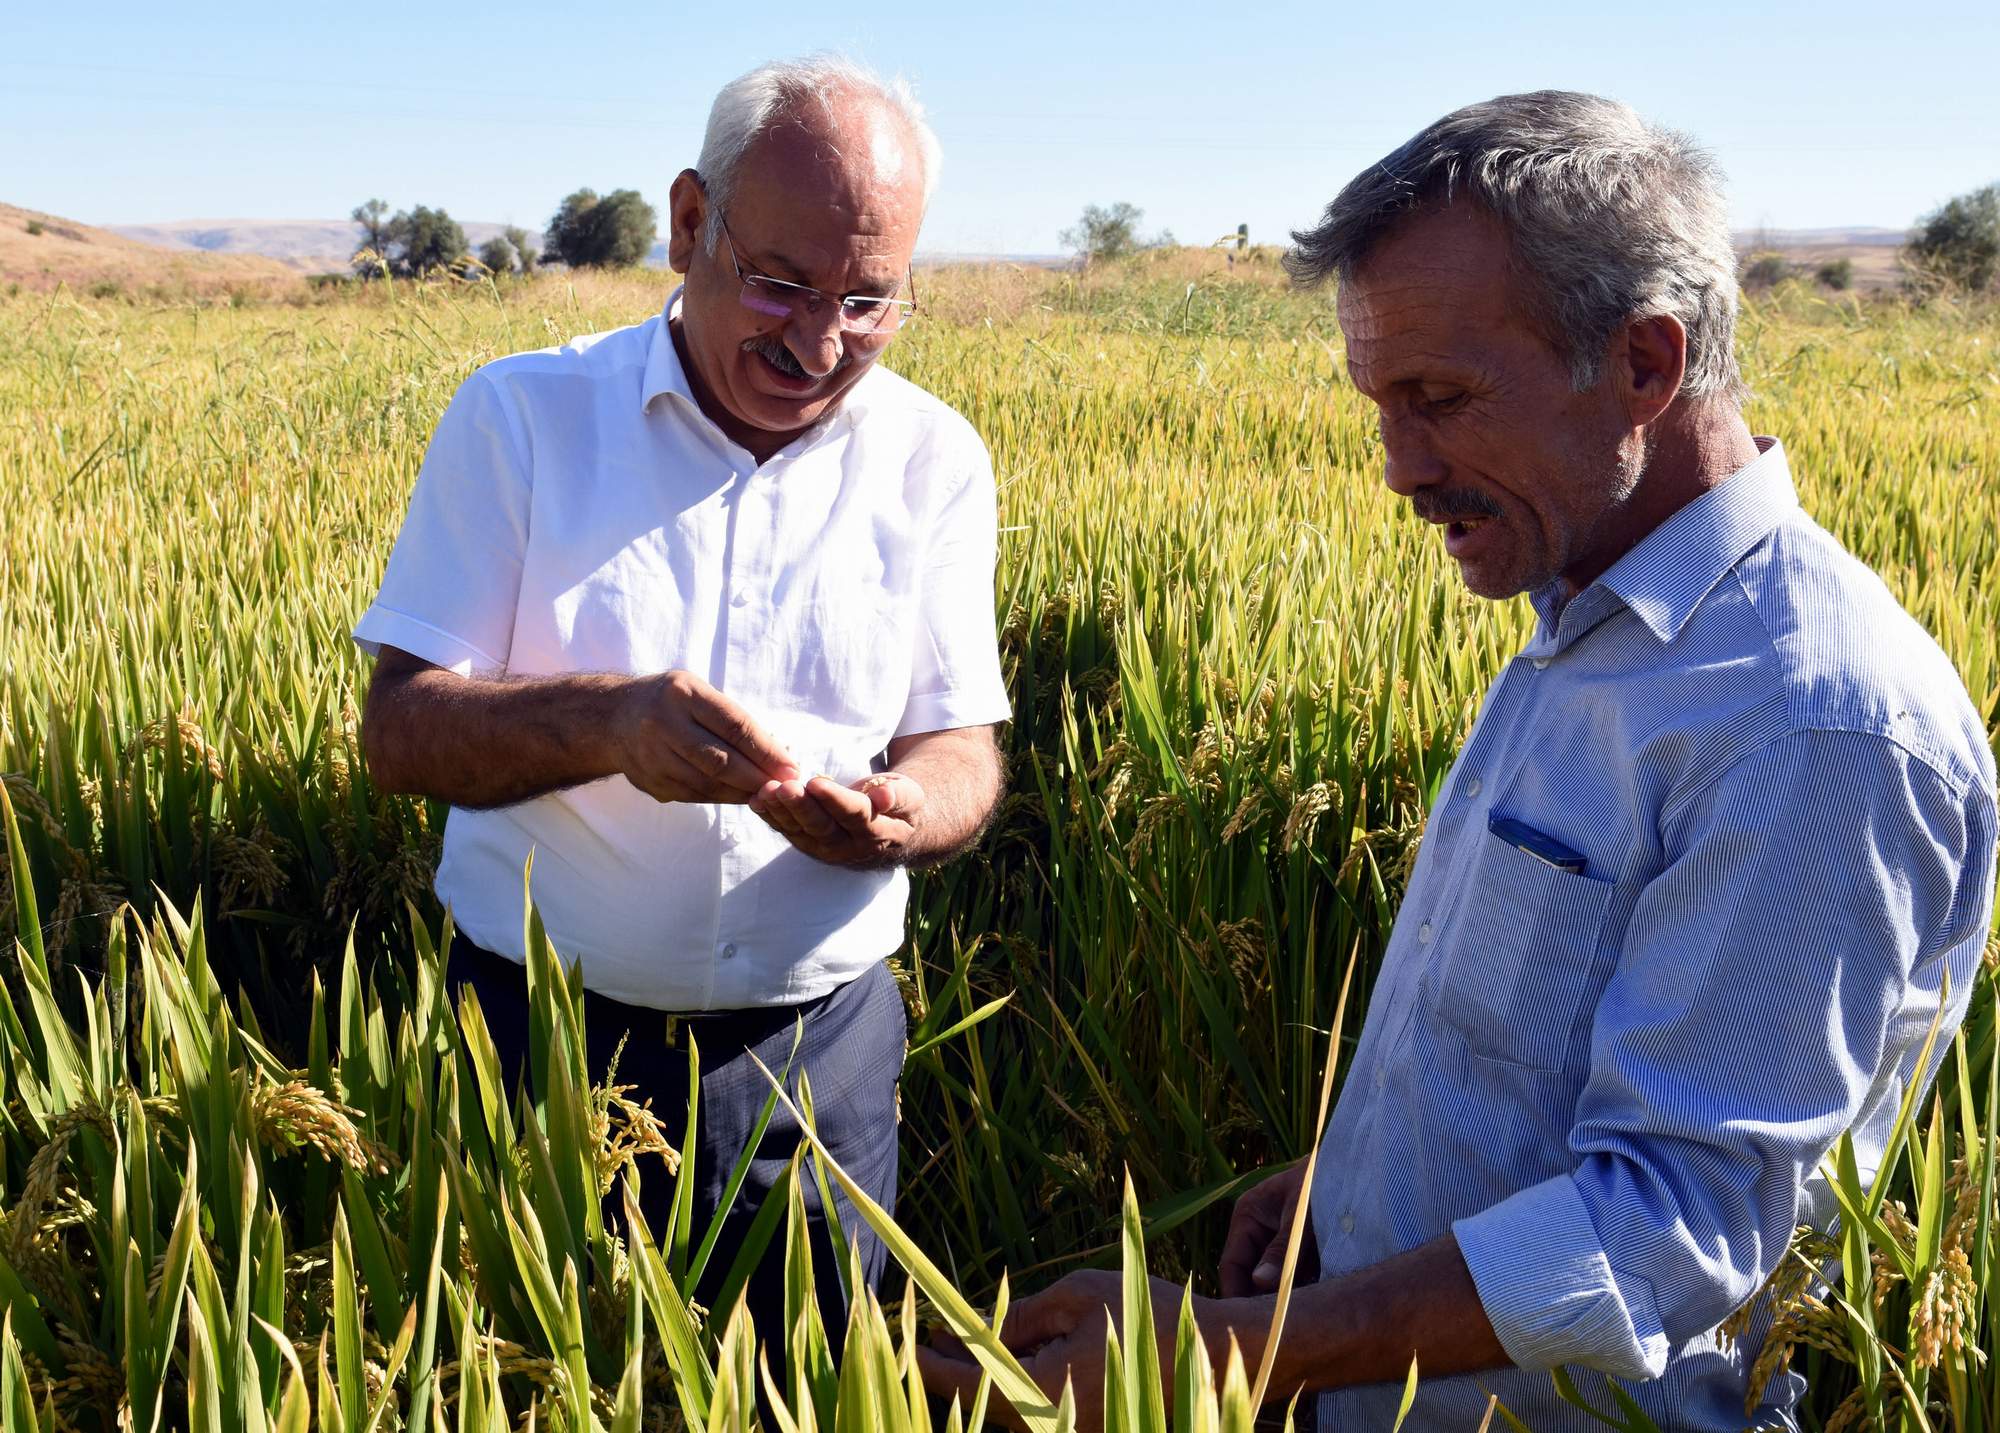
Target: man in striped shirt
1719, 846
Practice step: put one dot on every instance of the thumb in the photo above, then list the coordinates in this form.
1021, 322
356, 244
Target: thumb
1270, 1264
894, 794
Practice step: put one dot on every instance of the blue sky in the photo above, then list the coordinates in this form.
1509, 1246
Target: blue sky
1204, 116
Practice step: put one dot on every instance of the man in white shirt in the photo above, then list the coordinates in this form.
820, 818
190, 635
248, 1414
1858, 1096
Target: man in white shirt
699, 613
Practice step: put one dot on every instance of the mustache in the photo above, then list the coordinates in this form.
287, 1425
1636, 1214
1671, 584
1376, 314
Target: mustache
1452, 503
772, 349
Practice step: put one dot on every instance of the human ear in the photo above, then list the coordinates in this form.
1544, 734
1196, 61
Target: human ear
687, 210
1651, 366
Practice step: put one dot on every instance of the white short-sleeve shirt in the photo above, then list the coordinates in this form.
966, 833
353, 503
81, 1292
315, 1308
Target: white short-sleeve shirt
577, 512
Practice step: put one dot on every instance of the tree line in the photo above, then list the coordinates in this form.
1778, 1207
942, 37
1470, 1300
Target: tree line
1954, 248
616, 230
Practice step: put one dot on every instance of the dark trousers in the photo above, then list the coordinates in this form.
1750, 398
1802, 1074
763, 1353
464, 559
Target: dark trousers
851, 1049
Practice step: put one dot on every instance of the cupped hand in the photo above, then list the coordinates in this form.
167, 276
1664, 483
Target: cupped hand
1058, 1335
866, 826
683, 740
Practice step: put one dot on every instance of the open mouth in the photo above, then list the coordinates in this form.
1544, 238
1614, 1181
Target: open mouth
786, 376
1462, 535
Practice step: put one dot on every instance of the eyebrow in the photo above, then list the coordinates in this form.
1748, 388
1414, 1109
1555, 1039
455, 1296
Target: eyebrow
795, 272
791, 268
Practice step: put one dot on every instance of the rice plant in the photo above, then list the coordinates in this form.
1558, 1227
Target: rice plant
1239, 673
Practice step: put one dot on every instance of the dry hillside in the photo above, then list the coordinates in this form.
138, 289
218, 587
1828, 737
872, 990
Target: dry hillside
86, 259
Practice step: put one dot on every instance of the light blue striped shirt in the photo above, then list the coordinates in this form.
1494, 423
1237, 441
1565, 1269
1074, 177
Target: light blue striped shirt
1616, 1086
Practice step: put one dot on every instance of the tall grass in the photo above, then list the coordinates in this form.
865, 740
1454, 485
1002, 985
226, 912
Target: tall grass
1239, 673
391, 1237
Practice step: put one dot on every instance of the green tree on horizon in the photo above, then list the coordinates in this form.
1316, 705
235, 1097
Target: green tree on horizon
526, 251
1958, 243
1111, 233
373, 217
616, 231
497, 256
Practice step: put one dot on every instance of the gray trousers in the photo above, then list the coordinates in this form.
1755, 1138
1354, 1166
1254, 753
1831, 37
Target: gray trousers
851, 1048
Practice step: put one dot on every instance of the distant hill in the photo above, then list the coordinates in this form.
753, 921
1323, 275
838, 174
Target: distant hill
1856, 238
66, 252
1875, 254
318, 246
309, 246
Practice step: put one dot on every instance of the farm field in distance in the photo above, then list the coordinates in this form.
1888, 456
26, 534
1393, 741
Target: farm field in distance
1240, 672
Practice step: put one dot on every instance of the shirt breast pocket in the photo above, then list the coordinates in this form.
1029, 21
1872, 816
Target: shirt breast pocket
1519, 961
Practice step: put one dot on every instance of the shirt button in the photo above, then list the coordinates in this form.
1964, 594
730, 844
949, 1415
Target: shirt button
1381, 1077
741, 599
1539, 663
729, 951
1472, 786
1424, 933
1347, 1223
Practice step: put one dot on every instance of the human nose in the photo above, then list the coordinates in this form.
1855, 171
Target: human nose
814, 339
1409, 463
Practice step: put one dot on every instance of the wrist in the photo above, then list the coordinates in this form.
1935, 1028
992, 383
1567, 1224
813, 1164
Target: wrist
625, 712
1246, 1320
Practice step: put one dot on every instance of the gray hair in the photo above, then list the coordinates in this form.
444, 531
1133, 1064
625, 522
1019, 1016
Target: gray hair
1611, 218
751, 105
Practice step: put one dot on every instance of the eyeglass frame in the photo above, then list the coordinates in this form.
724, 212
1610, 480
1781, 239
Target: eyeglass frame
815, 297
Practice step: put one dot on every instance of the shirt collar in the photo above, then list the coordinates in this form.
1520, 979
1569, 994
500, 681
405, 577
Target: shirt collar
664, 373
1665, 577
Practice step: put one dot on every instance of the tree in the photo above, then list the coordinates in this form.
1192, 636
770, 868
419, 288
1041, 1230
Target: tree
496, 256
373, 217
1835, 273
1105, 233
1766, 271
525, 249
1958, 243
424, 240
415, 242
613, 232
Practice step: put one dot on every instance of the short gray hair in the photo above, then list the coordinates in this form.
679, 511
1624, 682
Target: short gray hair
751, 105
1612, 219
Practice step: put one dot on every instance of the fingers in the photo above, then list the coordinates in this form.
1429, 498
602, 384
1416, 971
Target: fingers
950, 1376
847, 809
738, 735
1257, 1228
893, 794
1270, 1263
794, 810
686, 741
831, 822
724, 773
1242, 1252
1056, 1312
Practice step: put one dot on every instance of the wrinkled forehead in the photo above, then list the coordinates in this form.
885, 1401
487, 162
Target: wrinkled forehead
1439, 290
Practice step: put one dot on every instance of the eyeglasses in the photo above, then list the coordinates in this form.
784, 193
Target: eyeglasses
779, 298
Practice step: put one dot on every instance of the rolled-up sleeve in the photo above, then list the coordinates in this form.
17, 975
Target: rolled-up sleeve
955, 678
1813, 902
451, 588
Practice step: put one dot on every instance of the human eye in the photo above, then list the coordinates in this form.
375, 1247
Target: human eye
1438, 400
862, 306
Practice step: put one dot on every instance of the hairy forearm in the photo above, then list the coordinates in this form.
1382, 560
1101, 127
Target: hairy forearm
962, 778
1364, 1327
480, 742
